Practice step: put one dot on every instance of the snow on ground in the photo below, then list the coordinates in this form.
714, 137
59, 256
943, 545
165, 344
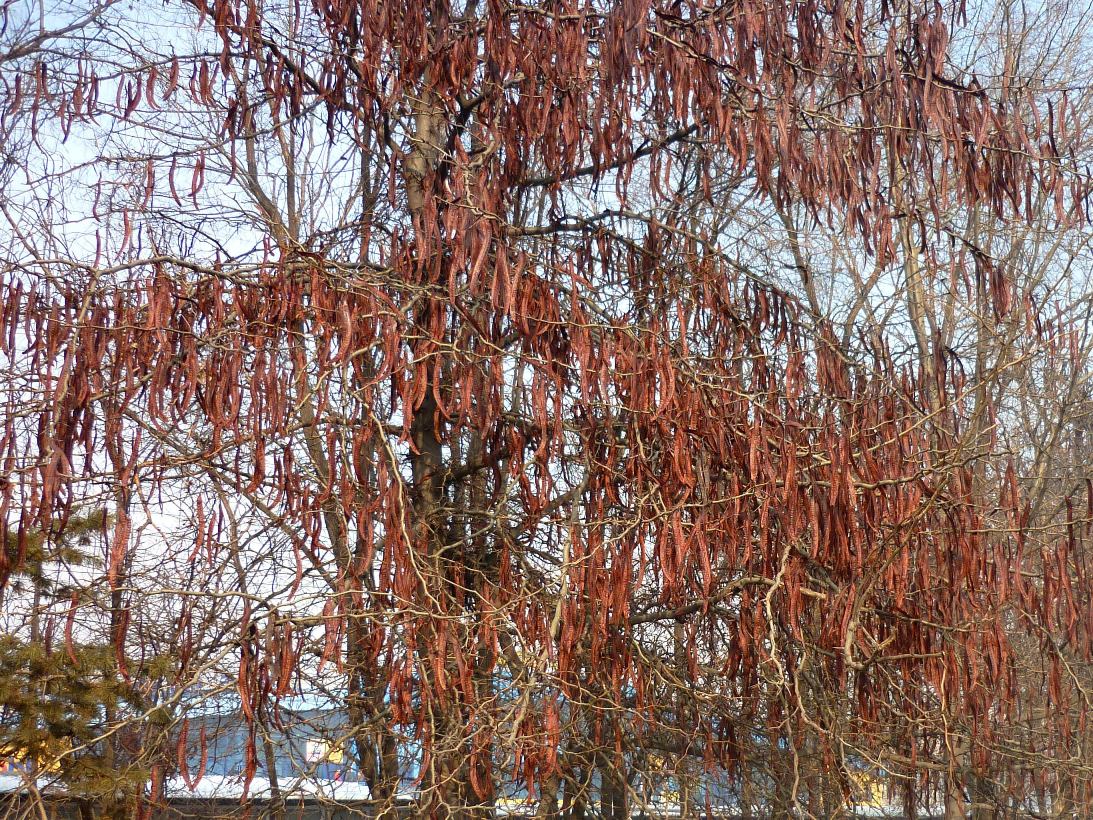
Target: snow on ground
228, 786
16, 781
231, 786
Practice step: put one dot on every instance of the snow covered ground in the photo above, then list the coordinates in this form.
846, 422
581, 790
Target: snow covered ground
227, 786
231, 786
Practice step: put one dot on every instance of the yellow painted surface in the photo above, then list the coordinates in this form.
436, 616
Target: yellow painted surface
868, 789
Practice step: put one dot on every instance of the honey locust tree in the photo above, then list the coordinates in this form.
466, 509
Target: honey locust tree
1018, 389
552, 489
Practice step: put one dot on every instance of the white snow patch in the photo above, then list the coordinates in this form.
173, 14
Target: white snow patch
231, 786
